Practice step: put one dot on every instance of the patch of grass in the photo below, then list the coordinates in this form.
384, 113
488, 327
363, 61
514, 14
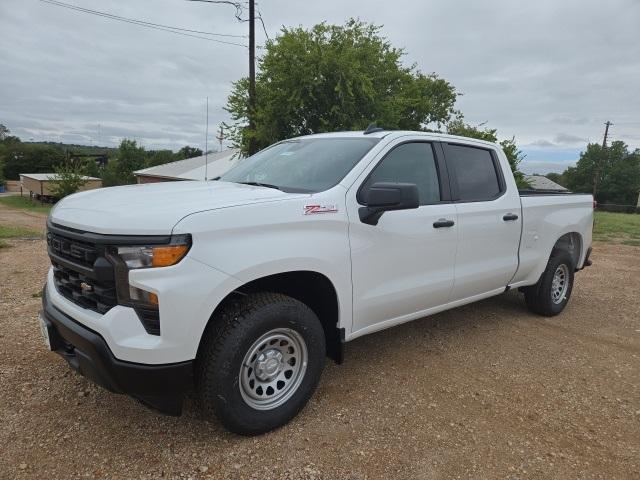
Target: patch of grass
17, 232
617, 228
25, 203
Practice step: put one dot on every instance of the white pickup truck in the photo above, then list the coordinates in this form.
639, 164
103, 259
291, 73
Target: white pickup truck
238, 288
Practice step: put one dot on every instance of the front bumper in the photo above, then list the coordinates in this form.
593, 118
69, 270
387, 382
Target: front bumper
159, 386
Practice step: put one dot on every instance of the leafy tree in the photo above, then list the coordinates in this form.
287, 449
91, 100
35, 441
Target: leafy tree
511, 151
580, 178
70, 177
619, 173
91, 168
622, 182
28, 158
557, 178
188, 152
160, 157
110, 174
335, 77
128, 158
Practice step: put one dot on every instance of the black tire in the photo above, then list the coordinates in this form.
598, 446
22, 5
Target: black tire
539, 297
231, 335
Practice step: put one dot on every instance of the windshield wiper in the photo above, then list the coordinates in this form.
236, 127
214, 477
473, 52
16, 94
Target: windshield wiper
259, 184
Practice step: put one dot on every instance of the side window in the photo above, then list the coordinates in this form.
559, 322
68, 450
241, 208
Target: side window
475, 171
408, 163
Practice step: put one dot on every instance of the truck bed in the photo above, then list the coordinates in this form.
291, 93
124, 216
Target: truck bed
547, 216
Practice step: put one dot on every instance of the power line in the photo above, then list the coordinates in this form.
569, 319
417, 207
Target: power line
155, 26
251, 104
237, 5
143, 22
259, 17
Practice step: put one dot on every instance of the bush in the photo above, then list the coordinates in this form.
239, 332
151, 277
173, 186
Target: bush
70, 178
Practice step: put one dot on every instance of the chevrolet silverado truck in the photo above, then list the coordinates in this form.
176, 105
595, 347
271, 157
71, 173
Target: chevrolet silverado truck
238, 288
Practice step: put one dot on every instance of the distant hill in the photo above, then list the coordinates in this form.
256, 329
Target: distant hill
74, 148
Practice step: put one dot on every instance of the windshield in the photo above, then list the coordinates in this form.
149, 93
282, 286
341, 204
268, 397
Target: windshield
302, 165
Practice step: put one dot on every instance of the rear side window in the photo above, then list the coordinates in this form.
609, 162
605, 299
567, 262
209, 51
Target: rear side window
408, 163
476, 172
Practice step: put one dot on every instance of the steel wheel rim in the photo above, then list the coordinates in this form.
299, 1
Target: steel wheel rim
273, 368
560, 284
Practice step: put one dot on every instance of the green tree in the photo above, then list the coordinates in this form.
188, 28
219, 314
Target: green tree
160, 157
21, 157
557, 178
618, 169
110, 175
621, 185
509, 146
92, 169
128, 158
188, 152
70, 177
334, 77
580, 178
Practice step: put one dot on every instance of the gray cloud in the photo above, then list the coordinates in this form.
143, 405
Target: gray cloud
548, 72
568, 139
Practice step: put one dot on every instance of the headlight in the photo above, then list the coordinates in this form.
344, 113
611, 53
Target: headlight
153, 256
131, 257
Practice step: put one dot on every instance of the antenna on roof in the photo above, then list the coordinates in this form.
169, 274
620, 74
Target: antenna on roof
372, 128
206, 144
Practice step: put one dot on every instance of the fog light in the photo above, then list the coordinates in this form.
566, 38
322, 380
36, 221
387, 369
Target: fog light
142, 296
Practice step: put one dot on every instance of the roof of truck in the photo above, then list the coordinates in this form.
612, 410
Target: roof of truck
401, 133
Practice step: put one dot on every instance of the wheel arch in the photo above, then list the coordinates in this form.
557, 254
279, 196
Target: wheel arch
571, 243
312, 288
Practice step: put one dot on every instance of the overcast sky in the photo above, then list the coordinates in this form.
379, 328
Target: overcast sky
549, 72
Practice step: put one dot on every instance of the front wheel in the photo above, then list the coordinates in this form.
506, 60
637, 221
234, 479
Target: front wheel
551, 294
260, 362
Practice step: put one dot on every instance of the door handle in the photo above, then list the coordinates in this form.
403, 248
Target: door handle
509, 217
441, 223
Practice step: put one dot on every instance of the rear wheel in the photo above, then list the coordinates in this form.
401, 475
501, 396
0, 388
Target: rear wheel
260, 362
551, 294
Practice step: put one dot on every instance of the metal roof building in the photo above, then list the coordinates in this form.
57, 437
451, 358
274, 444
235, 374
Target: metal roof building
190, 168
41, 184
538, 182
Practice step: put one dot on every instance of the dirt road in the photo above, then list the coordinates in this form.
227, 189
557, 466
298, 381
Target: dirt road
21, 218
485, 391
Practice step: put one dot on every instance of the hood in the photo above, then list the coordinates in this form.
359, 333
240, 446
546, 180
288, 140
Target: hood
153, 208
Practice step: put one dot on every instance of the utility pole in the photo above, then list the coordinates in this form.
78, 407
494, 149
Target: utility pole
603, 156
252, 76
252, 62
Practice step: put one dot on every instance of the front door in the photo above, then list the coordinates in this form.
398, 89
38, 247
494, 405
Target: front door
404, 265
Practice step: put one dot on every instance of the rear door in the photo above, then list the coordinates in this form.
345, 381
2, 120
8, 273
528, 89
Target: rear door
404, 264
489, 219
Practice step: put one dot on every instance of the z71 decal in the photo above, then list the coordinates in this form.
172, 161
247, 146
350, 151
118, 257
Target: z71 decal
315, 209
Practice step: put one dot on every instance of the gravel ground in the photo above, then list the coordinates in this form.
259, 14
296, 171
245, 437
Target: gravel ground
484, 391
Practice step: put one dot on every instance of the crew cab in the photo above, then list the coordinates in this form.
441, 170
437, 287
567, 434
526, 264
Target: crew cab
238, 288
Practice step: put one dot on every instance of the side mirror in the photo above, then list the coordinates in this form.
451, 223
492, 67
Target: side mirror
387, 196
